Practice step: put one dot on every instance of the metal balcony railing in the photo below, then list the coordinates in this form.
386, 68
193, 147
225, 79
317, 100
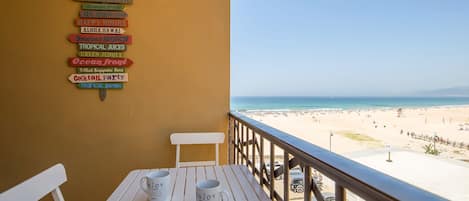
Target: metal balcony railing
247, 138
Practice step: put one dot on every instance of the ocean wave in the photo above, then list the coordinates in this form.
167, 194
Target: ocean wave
289, 110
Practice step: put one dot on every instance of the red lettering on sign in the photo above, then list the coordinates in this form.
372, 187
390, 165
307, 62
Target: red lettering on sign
99, 62
90, 22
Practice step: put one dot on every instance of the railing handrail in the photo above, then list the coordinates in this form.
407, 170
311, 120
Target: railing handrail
360, 179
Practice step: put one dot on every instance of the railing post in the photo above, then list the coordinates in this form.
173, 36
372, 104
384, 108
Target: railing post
253, 153
286, 171
246, 143
261, 159
242, 144
237, 141
230, 140
271, 174
307, 183
339, 192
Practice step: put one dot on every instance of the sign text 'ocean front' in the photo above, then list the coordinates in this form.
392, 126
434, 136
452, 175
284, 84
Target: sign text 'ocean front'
99, 62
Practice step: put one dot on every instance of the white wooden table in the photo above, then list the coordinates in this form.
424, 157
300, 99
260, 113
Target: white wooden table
236, 179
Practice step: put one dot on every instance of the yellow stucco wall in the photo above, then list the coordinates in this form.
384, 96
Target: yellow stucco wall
179, 82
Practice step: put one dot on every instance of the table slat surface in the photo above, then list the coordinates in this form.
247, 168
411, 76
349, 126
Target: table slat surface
236, 179
189, 193
222, 178
256, 187
236, 189
179, 186
124, 185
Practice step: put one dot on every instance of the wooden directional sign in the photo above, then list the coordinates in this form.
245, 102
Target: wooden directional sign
96, 6
100, 54
98, 77
102, 47
100, 85
102, 30
109, 1
101, 70
103, 14
89, 22
99, 62
100, 38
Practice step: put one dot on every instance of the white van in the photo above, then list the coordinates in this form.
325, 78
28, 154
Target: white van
296, 180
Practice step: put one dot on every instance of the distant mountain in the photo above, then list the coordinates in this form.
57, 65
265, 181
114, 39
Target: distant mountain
447, 92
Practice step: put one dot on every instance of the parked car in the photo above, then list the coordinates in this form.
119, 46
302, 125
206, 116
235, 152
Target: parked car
297, 185
296, 180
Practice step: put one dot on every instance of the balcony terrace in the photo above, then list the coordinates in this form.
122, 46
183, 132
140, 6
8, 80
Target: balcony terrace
179, 82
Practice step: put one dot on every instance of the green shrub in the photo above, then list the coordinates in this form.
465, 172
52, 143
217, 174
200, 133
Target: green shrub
430, 149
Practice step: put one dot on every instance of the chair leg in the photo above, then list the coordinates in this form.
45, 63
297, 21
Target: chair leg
216, 154
57, 195
178, 149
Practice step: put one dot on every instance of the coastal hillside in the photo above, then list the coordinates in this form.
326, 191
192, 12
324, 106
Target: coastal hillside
447, 92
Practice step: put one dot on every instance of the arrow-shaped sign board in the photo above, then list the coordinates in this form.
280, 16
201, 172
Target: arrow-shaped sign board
100, 54
97, 6
98, 77
103, 14
102, 30
102, 47
109, 1
100, 85
101, 70
101, 23
99, 62
100, 38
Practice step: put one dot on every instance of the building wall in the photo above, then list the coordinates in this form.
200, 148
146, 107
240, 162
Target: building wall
179, 82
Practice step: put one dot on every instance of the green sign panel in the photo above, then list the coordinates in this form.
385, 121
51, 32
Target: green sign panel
102, 47
103, 14
109, 1
94, 6
100, 85
101, 70
101, 54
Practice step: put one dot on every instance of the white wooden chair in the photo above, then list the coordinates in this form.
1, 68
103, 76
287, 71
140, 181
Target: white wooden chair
38, 186
196, 138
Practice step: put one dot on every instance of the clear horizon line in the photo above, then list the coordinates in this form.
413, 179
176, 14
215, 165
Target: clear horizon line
348, 96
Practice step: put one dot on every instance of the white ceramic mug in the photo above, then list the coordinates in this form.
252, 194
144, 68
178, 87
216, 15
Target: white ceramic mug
210, 190
157, 185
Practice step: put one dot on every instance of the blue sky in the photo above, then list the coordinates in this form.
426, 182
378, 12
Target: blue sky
348, 48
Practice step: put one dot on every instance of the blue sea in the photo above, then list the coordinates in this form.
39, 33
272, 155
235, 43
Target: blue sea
319, 103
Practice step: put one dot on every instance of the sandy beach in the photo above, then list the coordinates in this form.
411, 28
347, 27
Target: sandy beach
359, 130
362, 135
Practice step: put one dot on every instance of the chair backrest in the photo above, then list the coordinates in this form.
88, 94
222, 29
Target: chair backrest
196, 138
38, 186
